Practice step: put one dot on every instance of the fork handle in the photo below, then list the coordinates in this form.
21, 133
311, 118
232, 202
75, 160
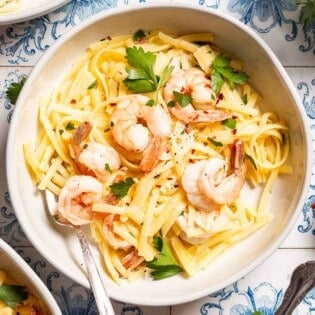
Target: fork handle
102, 300
302, 281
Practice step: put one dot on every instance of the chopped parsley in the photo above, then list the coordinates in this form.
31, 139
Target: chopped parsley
222, 70
229, 123
215, 143
164, 265
70, 126
138, 35
121, 188
245, 99
141, 78
150, 103
13, 295
257, 313
14, 90
107, 168
92, 85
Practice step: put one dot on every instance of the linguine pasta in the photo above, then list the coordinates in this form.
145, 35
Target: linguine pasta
156, 204
8, 6
25, 303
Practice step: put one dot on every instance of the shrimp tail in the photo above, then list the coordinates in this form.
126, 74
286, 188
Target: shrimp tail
209, 115
152, 153
80, 135
237, 165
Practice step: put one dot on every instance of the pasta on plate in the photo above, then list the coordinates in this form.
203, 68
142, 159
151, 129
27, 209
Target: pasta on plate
7, 6
152, 139
16, 299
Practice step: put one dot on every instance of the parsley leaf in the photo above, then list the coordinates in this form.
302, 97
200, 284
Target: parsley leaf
167, 71
14, 90
121, 188
141, 78
257, 313
164, 265
182, 99
12, 295
307, 13
222, 70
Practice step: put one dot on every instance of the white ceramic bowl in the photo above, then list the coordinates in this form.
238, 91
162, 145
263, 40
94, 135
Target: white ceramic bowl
267, 75
16, 268
31, 9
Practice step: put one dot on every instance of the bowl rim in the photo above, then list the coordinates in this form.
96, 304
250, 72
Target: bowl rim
28, 14
67, 36
32, 277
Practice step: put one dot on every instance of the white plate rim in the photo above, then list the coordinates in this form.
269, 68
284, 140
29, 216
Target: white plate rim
308, 158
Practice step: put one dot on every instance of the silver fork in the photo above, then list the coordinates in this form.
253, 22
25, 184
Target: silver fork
302, 281
102, 300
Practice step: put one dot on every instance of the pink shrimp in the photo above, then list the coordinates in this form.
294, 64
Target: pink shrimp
92, 158
76, 198
194, 83
209, 183
148, 138
113, 239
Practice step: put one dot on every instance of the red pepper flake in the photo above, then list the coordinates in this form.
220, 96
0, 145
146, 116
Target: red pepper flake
169, 178
112, 104
176, 186
234, 131
234, 116
73, 101
193, 151
219, 98
313, 206
109, 37
191, 161
158, 186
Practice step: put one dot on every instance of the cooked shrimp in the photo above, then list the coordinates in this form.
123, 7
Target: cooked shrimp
113, 239
76, 198
190, 180
212, 182
148, 137
132, 259
196, 84
93, 158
